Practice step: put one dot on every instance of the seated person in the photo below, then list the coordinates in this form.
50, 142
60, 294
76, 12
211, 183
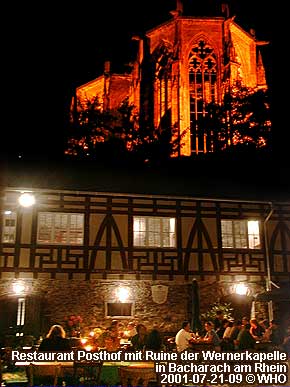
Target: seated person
140, 339
110, 339
130, 331
211, 336
276, 335
245, 340
55, 340
154, 341
256, 330
183, 337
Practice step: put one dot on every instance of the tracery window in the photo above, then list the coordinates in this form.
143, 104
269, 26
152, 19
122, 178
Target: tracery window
202, 66
163, 60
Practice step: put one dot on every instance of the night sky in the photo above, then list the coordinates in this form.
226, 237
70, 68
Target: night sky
52, 47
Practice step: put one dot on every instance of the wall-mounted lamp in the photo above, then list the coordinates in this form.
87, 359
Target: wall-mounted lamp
122, 294
26, 199
19, 288
241, 289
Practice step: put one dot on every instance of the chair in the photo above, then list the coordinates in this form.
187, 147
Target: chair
136, 376
87, 373
43, 374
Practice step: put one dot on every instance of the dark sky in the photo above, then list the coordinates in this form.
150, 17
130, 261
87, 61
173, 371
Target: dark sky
51, 47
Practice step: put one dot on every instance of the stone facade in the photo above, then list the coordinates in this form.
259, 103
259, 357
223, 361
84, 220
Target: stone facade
51, 301
182, 65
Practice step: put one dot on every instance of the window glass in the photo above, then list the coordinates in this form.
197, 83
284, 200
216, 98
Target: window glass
60, 228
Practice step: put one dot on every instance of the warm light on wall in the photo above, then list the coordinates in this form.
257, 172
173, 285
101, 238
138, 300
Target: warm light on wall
18, 288
26, 199
241, 289
122, 294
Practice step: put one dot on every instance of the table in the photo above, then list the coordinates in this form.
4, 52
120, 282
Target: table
54, 373
199, 345
47, 372
135, 372
116, 373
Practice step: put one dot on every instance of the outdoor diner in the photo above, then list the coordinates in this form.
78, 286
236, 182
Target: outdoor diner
124, 290
115, 355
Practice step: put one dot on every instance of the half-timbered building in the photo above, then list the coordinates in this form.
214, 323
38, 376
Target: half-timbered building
133, 256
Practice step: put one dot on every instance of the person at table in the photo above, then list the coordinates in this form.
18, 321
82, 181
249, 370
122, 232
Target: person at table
55, 340
221, 330
110, 338
245, 340
184, 337
245, 321
211, 336
256, 330
226, 343
237, 326
276, 335
218, 321
139, 341
154, 340
130, 331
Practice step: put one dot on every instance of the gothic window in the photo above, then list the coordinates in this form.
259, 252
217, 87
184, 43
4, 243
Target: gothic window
60, 228
163, 60
241, 234
202, 68
154, 231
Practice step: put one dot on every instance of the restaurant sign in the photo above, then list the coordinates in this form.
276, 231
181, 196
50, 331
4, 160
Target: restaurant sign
159, 293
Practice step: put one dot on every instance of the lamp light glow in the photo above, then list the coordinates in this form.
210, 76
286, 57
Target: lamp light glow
241, 289
122, 294
18, 288
26, 199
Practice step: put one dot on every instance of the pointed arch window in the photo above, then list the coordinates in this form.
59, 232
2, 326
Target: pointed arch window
202, 67
163, 61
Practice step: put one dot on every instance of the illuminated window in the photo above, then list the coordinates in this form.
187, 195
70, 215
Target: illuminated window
241, 234
154, 231
9, 227
202, 66
60, 228
20, 312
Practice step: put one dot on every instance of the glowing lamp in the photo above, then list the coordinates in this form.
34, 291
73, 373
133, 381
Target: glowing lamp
26, 199
88, 347
18, 288
122, 294
241, 289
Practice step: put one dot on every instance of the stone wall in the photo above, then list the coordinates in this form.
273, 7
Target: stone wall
56, 299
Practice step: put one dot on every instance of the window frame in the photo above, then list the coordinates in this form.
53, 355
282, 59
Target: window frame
52, 229
170, 235
249, 237
119, 316
12, 215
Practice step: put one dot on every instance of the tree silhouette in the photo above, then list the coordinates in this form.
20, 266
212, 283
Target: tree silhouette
242, 121
96, 134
